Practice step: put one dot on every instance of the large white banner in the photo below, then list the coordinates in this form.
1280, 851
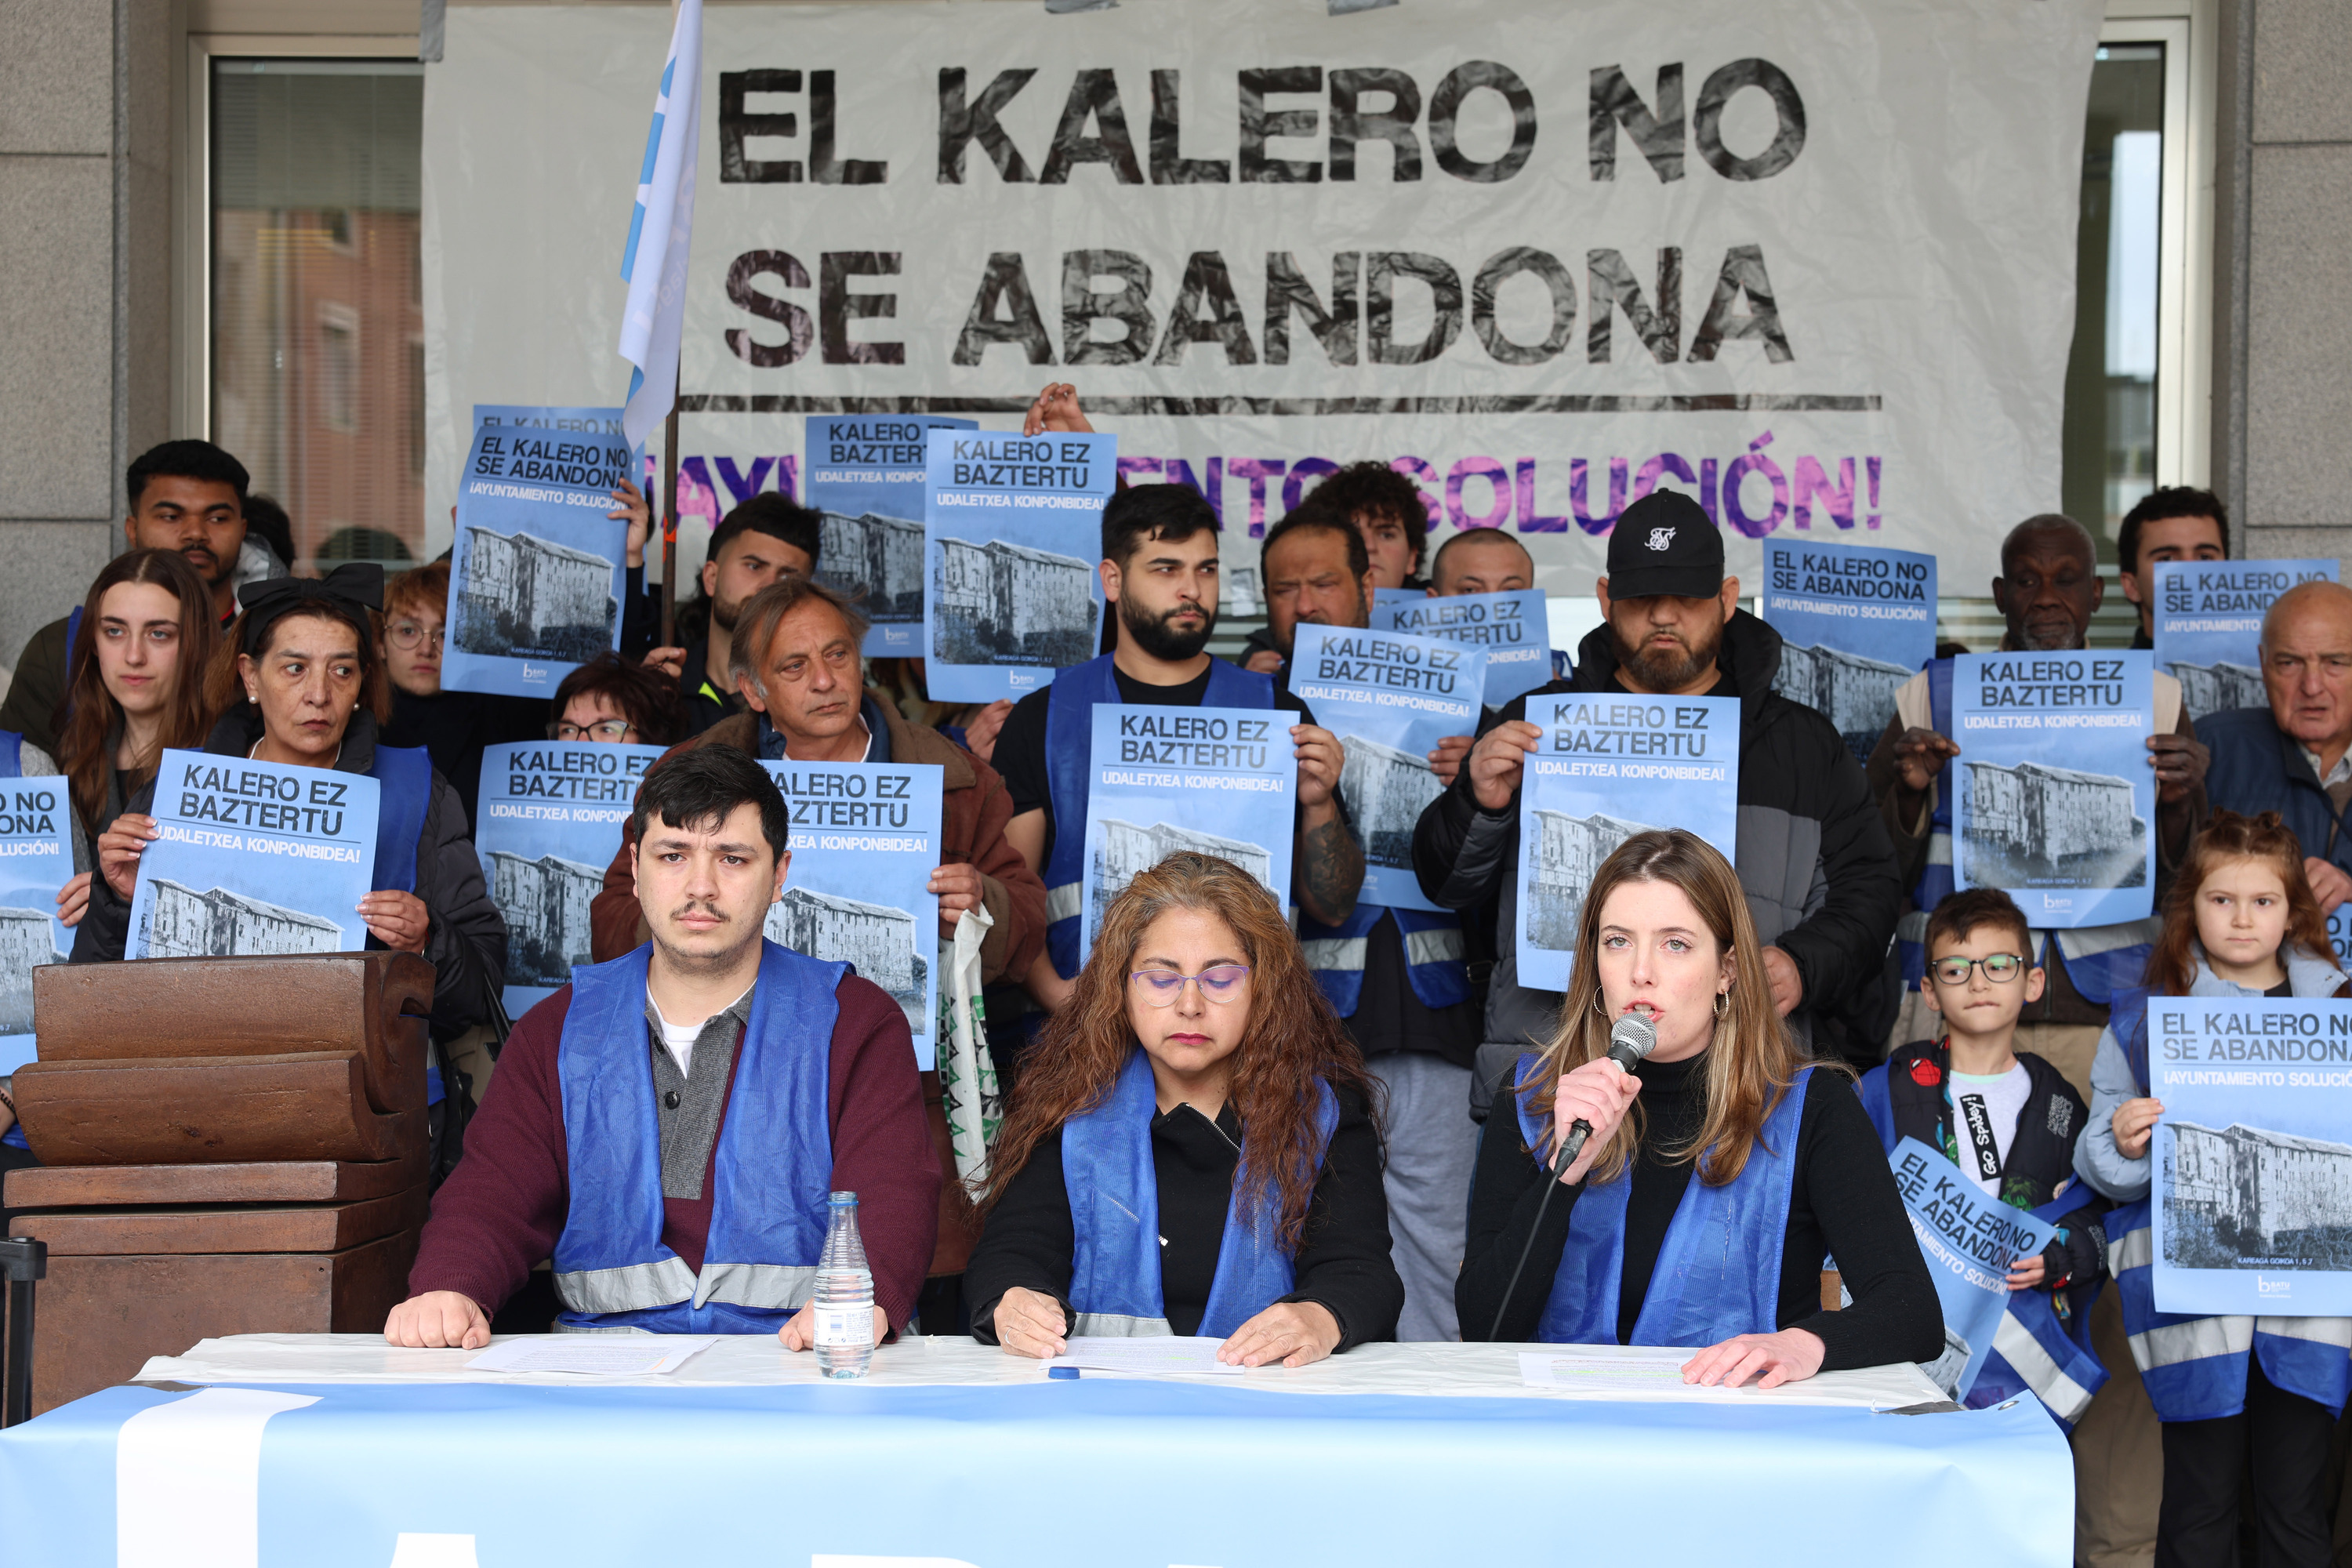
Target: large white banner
1810, 261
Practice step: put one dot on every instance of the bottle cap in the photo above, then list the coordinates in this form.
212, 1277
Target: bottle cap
1061, 1372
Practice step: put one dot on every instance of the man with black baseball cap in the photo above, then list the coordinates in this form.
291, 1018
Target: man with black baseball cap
1813, 855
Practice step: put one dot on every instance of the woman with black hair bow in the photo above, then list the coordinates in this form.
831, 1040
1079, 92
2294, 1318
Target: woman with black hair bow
301, 682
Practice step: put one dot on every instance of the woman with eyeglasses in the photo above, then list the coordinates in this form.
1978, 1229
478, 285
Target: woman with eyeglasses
610, 701
1192, 1150
1716, 1176
454, 727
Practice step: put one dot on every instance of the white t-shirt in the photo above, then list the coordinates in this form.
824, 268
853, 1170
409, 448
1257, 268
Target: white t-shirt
1999, 1102
680, 1037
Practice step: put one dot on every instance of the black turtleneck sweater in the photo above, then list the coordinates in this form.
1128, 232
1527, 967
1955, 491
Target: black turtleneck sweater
1842, 1202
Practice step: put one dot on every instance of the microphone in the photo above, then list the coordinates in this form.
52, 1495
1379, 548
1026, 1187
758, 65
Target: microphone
1630, 1038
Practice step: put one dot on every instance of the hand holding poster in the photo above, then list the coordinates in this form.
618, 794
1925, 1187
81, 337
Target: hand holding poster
36, 861
537, 570
2209, 620
1970, 1240
254, 857
1855, 622
866, 839
1218, 781
1012, 529
865, 476
2057, 801
2252, 1195
1607, 766
1513, 628
1389, 699
551, 815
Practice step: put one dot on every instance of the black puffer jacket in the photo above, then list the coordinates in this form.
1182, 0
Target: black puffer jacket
467, 941
1814, 858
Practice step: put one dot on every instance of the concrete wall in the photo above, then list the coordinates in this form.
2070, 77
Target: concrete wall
2282, 275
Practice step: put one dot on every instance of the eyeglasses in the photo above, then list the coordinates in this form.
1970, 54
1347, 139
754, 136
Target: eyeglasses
407, 635
1219, 984
2000, 968
615, 731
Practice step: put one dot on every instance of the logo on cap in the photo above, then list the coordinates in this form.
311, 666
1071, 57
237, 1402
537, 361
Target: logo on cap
1661, 537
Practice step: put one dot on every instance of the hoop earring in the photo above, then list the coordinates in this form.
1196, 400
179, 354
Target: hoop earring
1598, 1010
1722, 1003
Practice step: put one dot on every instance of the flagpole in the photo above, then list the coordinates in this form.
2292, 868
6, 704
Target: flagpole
670, 528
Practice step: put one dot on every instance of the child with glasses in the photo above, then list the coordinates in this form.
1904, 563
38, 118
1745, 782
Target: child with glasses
1192, 1149
2237, 1395
2009, 1120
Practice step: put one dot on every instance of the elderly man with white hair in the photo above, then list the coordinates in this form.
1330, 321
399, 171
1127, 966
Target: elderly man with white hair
2294, 757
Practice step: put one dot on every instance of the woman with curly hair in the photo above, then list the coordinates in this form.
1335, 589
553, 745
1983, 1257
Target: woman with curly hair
1192, 1149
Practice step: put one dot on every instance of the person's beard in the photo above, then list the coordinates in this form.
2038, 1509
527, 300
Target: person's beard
723, 613
1157, 637
1668, 666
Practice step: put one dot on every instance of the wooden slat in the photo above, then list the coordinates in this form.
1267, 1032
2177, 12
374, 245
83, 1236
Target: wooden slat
276, 1182
323, 1227
209, 1110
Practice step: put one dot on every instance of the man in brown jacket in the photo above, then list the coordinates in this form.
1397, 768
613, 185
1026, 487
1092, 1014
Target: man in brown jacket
795, 659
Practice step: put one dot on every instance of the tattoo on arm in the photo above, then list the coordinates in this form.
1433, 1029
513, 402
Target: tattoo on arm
1330, 871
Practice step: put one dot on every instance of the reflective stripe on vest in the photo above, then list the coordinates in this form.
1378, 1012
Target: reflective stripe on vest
405, 774
1069, 748
770, 1179
2195, 1367
1433, 955
2098, 959
1718, 1270
12, 754
1114, 1187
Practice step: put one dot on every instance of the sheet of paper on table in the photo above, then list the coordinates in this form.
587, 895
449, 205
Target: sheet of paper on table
593, 1356
1595, 1375
1156, 1354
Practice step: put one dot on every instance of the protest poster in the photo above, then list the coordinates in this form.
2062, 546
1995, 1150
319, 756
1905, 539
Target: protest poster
1012, 531
865, 841
1609, 765
537, 571
599, 422
2057, 801
2252, 1199
1968, 1239
35, 861
1217, 781
552, 817
2339, 932
254, 857
1389, 699
2209, 620
864, 477
1513, 628
1855, 622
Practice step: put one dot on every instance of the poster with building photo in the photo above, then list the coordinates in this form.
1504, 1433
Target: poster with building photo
2056, 800
1215, 780
1610, 765
2209, 620
1855, 622
1389, 699
35, 861
1012, 531
537, 571
866, 839
1969, 1241
1513, 629
2252, 1201
551, 815
253, 859
864, 473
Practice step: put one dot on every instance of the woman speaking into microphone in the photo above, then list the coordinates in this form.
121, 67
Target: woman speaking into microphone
1718, 1173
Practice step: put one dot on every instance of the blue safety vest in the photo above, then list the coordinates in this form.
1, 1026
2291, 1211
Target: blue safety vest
1114, 1189
2032, 1350
1718, 1270
1433, 955
2195, 1367
1069, 748
770, 1177
2098, 959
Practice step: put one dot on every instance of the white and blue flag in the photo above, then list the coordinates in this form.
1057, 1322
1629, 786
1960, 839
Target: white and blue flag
661, 232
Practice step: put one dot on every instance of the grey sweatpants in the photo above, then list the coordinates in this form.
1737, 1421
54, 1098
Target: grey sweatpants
1433, 1148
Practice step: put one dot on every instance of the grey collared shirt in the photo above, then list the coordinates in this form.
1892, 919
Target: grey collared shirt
2330, 777
688, 1104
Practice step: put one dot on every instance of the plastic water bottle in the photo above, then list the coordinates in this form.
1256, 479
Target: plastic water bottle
845, 1295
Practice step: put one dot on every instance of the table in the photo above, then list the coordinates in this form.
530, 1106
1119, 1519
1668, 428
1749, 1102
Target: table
333, 1451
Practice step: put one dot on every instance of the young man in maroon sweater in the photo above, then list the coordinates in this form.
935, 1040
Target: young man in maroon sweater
667, 1127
